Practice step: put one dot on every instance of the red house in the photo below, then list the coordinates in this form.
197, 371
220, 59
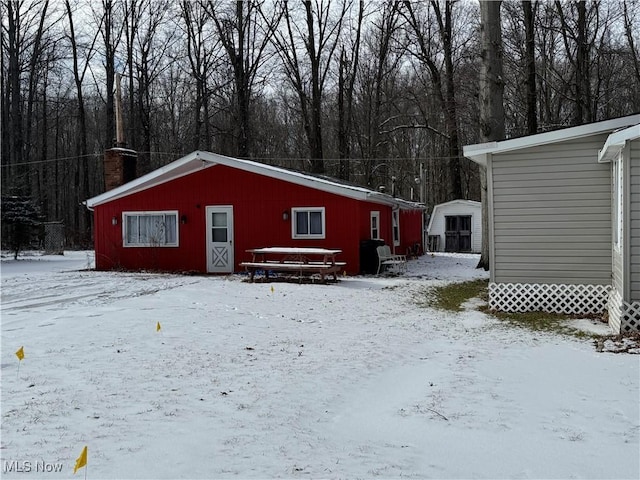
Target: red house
203, 212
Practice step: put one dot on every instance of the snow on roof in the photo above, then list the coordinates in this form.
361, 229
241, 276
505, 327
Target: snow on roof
199, 160
478, 152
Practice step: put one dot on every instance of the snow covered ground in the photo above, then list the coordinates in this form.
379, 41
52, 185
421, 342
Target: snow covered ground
348, 380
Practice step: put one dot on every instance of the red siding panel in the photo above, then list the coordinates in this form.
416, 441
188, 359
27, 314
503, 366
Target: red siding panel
258, 203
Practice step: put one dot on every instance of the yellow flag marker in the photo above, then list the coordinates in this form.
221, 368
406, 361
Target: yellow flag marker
158, 327
81, 461
272, 289
20, 353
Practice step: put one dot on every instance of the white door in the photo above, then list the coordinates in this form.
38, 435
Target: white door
220, 239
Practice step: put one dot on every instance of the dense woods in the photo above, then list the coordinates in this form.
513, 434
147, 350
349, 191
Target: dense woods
380, 93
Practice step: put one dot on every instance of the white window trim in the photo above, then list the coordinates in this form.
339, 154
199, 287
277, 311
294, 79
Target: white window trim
296, 210
618, 202
395, 217
149, 213
376, 215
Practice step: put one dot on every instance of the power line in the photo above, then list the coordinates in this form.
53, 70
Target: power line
75, 157
279, 159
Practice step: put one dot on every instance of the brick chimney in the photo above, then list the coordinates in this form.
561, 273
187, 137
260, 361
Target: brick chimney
120, 163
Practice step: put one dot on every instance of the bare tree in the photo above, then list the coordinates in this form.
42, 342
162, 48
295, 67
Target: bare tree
491, 107
83, 220
146, 57
12, 46
631, 32
379, 105
245, 34
306, 53
442, 77
529, 27
347, 70
578, 36
110, 19
201, 58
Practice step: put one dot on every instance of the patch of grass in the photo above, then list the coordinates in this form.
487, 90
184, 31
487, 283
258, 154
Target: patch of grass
451, 297
538, 321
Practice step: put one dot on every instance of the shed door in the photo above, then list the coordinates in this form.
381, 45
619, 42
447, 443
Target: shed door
220, 239
458, 233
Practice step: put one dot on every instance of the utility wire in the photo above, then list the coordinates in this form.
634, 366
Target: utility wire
286, 159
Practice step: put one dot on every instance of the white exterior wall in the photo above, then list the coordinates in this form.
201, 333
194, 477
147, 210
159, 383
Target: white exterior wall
634, 221
437, 222
624, 300
552, 214
550, 220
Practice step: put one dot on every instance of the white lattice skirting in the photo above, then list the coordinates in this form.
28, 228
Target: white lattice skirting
624, 317
534, 297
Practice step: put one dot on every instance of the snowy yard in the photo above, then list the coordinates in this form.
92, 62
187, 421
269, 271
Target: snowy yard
348, 380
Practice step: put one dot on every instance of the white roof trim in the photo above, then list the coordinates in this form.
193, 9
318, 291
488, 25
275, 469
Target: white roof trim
198, 160
479, 152
616, 142
459, 200
471, 203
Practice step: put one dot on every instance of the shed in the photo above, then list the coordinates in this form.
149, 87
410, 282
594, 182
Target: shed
564, 230
456, 226
202, 212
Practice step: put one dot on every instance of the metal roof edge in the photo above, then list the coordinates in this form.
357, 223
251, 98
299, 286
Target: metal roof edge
616, 142
478, 152
291, 176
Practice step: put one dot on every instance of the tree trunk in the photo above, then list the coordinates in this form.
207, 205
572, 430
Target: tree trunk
491, 95
529, 27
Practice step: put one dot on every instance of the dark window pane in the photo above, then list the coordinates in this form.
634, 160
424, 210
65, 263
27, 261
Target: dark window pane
316, 223
219, 234
302, 223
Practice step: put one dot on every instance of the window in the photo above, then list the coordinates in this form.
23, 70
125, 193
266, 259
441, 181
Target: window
150, 229
308, 222
375, 225
395, 219
219, 227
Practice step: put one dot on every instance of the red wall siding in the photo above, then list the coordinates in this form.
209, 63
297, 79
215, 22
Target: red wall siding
411, 230
258, 203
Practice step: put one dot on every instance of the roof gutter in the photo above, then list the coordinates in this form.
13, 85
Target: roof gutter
616, 142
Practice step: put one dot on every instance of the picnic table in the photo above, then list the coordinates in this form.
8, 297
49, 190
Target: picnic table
294, 260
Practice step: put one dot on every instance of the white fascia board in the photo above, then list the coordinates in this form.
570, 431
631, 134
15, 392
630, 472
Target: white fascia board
478, 152
616, 142
201, 159
459, 201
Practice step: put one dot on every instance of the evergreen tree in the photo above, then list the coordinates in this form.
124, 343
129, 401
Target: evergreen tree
20, 219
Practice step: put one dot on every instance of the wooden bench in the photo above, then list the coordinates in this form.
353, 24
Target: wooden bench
294, 261
294, 267
390, 260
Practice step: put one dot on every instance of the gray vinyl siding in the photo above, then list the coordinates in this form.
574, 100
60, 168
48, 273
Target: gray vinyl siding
552, 214
635, 221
